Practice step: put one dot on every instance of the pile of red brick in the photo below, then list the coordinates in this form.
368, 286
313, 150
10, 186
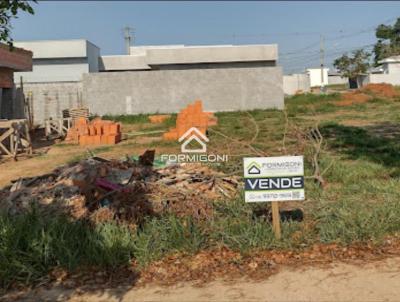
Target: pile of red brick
192, 116
96, 132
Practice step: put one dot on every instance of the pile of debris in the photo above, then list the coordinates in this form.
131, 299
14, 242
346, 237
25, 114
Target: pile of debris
122, 190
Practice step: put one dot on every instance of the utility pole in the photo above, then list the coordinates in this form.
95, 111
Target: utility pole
128, 39
322, 60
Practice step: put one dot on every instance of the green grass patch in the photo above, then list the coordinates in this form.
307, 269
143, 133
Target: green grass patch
128, 119
32, 244
359, 204
307, 104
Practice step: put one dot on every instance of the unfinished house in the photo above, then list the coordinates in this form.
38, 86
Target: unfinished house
14, 110
54, 84
11, 60
167, 78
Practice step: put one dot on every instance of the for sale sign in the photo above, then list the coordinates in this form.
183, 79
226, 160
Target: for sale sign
274, 178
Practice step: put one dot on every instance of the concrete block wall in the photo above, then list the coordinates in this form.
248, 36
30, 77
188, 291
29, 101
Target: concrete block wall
296, 82
49, 99
167, 91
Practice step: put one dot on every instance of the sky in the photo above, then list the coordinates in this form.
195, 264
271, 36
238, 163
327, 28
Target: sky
295, 26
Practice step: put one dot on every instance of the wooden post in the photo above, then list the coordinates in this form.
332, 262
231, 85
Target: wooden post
276, 219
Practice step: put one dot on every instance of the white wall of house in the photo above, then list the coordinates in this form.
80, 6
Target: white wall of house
315, 77
59, 60
377, 78
61, 71
392, 67
335, 80
295, 83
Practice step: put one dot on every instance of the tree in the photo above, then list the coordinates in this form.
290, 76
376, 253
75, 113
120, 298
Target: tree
352, 66
9, 9
388, 41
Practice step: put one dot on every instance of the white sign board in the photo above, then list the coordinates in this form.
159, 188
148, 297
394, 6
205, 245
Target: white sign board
274, 178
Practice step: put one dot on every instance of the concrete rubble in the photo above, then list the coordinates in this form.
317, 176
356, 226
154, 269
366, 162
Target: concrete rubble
126, 190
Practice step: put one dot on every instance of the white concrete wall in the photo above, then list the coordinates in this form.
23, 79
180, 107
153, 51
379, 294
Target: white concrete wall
62, 72
60, 60
93, 55
315, 76
393, 79
211, 54
335, 80
165, 56
46, 49
296, 82
394, 68
124, 62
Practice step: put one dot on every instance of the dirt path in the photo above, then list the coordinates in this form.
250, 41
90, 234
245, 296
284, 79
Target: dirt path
375, 281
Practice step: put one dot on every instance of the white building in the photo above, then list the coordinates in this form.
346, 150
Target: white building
391, 65
316, 77
296, 83
388, 72
186, 57
60, 60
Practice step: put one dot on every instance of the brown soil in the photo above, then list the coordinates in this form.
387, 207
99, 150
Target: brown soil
367, 93
355, 281
351, 98
381, 90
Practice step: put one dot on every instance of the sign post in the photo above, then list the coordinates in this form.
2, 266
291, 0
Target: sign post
274, 179
276, 220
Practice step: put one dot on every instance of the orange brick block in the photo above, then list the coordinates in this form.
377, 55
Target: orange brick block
191, 116
110, 139
96, 132
171, 135
114, 129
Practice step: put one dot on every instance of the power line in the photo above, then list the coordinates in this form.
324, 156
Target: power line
301, 63
370, 29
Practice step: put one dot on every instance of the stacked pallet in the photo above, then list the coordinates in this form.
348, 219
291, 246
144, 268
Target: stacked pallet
96, 132
192, 116
76, 113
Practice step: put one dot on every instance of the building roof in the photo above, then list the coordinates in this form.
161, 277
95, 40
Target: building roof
56, 49
392, 59
378, 69
317, 68
143, 57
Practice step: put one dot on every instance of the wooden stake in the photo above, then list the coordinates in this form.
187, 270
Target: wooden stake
276, 219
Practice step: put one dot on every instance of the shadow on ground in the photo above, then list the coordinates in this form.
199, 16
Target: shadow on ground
64, 254
379, 143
